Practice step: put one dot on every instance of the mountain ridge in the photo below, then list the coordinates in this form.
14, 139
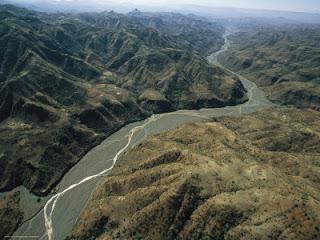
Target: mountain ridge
66, 85
281, 60
245, 177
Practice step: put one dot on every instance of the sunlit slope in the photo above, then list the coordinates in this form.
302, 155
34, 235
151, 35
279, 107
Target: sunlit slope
285, 62
247, 177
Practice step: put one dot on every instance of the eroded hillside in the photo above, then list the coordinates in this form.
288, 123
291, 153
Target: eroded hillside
67, 82
284, 61
248, 177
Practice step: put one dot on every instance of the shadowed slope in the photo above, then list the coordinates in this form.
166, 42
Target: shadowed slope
66, 84
251, 177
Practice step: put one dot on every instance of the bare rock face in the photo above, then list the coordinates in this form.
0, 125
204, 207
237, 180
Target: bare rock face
249, 177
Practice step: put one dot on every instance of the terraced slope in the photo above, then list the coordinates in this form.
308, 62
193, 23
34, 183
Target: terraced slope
284, 61
247, 177
66, 84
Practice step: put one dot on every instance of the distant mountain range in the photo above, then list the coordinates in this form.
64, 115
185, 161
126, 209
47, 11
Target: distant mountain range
302, 17
207, 11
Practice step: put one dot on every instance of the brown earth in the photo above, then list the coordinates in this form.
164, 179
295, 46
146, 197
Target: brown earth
283, 61
66, 84
250, 177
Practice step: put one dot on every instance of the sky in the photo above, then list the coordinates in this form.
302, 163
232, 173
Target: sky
286, 5
289, 5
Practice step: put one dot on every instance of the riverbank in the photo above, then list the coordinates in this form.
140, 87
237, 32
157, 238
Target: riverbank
68, 207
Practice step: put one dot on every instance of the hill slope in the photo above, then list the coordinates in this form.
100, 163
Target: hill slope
285, 62
249, 177
65, 84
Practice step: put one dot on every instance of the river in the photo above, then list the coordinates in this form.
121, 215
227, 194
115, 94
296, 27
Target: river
57, 219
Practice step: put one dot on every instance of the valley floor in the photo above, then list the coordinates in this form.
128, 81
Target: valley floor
251, 171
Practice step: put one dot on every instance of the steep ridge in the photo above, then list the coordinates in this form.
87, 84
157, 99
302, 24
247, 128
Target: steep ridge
66, 84
283, 60
57, 219
46, 101
191, 31
248, 177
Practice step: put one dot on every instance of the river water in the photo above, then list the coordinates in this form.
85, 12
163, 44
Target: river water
69, 206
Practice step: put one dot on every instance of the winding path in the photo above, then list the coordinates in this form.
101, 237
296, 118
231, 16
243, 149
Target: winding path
60, 213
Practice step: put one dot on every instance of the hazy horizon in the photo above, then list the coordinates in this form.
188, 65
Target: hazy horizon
284, 5
312, 6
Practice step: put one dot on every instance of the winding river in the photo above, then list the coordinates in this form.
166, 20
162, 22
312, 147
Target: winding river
58, 213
